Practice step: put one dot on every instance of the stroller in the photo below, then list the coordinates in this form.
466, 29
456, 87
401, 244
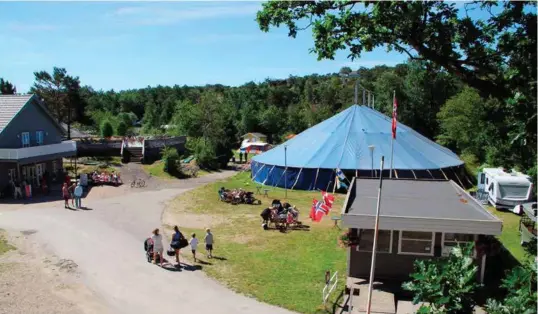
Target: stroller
148, 247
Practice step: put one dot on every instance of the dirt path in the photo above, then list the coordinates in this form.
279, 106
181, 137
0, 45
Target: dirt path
106, 243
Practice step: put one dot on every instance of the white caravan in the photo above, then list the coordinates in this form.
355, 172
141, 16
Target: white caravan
505, 189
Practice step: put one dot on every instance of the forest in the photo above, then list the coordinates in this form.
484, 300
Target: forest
483, 107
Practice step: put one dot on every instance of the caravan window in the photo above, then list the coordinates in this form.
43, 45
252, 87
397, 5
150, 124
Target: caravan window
482, 177
513, 191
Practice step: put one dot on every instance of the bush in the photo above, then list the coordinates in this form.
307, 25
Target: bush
204, 153
106, 129
122, 128
170, 159
447, 284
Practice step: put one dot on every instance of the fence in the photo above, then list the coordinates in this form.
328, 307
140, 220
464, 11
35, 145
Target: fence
329, 287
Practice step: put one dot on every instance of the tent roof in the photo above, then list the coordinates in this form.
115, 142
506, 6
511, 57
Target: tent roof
342, 141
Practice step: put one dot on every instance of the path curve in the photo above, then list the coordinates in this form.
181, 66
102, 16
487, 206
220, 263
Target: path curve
107, 244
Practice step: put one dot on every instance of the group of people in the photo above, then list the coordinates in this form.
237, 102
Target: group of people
283, 211
104, 177
73, 192
175, 245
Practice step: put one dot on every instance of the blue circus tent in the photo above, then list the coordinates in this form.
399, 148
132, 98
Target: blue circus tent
342, 142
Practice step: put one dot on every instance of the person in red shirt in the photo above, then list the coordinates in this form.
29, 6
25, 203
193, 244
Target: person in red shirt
65, 195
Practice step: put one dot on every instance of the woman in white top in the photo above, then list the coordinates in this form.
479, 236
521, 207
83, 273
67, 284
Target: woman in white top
158, 247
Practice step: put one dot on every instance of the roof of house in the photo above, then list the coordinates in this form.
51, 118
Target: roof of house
11, 105
440, 206
255, 134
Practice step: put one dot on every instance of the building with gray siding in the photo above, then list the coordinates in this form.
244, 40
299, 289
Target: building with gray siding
31, 141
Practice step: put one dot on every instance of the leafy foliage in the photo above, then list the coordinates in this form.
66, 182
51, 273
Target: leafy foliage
520, 284
447, 283
122, 128
496, 56
170, 159
106, 129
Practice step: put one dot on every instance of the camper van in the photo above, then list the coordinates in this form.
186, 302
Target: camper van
504, 189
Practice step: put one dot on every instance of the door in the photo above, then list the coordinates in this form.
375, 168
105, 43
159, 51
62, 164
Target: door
28, 174
39, 169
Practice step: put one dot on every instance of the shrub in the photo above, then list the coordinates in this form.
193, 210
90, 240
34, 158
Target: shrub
106, 129
122, 128
204, 153
447, 284
170, 159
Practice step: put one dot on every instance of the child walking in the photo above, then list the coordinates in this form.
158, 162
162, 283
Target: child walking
194, 244
209, 243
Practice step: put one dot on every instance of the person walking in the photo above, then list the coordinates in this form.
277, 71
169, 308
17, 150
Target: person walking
72, 193
78, 195
65, 195
157, 246
176, 243
194, 244
209, 243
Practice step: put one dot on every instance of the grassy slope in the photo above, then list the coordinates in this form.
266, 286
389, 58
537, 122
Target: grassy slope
285, 269
510, 235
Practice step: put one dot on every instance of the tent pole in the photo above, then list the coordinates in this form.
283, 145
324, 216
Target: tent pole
414, 175
443, 173
396, 173
316, 179
334, 186
458, 178
269, 173
430, 173
297, 180
258, 172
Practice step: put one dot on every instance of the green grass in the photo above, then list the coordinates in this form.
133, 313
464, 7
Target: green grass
510, 237
285, 269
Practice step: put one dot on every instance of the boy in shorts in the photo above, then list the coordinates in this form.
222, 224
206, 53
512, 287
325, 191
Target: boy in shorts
209, 243
194, 244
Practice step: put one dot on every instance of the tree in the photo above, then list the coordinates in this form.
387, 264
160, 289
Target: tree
61, 94
106, 129
496, 56
447, 284
122, 128
6, 88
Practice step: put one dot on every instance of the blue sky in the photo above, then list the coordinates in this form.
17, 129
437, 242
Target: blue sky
126, 45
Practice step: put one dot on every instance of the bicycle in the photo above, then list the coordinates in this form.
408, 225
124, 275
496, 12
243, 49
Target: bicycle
139, 183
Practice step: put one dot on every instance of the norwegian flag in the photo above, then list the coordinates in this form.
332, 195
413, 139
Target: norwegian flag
318, 210
328, 199
394, 116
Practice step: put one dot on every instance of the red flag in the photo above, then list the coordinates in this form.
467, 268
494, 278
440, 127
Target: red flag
319, 209
313, 209
328, 199
394, 116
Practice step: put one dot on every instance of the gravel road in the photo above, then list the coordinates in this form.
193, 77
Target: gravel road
106, 242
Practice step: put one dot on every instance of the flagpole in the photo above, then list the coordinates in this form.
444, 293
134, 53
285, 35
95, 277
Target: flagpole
392, 140
374, 248
285, 169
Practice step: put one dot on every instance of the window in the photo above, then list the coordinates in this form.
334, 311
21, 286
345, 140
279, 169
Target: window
482, 177
514, 191
366, 241
416, 243
39, 137
487, 181
451, 240
25, 137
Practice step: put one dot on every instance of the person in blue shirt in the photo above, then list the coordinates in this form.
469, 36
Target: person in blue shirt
78, 195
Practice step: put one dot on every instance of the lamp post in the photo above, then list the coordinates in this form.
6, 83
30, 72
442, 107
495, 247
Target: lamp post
285, 169
372, 147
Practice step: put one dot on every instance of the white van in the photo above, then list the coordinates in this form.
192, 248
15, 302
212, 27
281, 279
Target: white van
505, 189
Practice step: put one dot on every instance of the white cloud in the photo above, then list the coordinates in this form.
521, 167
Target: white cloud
164, 16
20, 27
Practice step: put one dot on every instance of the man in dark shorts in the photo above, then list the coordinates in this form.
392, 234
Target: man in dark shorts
209, 243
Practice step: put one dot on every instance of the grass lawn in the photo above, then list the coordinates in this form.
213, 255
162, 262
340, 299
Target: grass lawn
285, 269
510, 234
